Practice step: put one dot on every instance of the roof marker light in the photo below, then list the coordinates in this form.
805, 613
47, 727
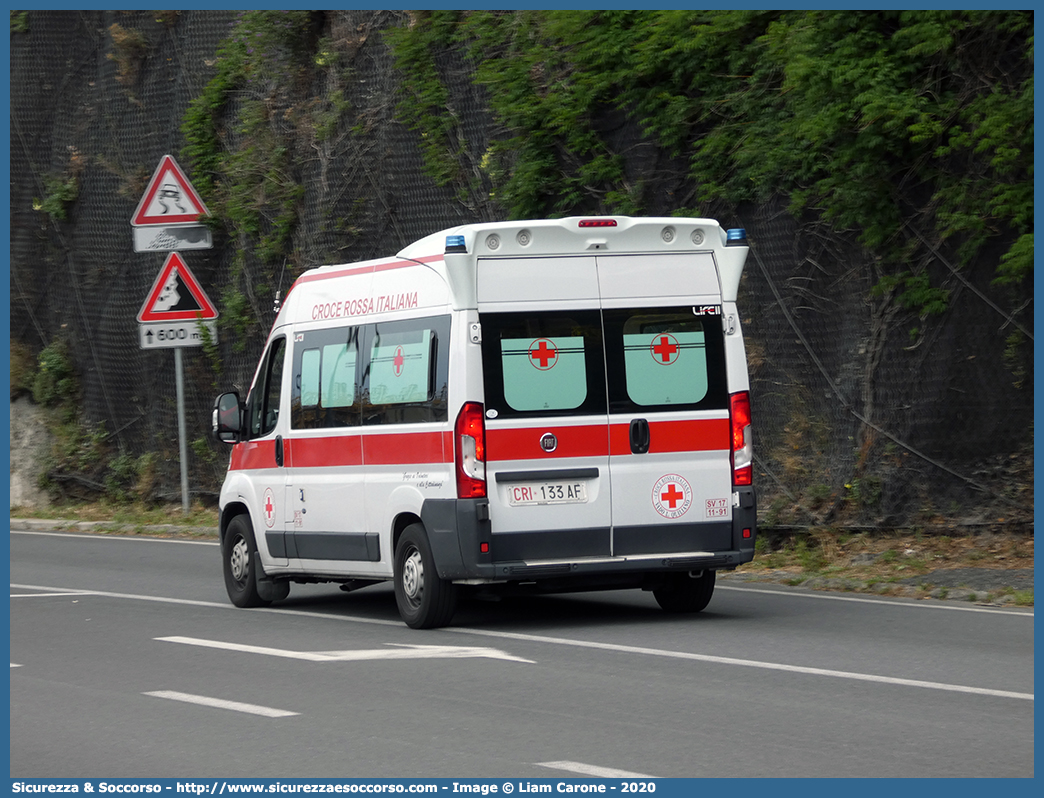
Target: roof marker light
455, 244
597, 223
736, 237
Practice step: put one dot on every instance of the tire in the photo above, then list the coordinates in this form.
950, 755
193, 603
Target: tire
237, 561
425, 601
682, 593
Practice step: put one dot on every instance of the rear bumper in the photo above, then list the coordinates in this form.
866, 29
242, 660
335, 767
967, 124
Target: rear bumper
459, 529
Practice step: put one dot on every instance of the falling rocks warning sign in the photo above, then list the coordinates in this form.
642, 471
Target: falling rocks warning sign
176, 295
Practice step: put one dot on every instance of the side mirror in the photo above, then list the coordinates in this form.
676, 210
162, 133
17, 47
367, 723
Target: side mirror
227, 419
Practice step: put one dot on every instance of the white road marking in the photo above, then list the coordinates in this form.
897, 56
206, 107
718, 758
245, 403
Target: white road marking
747, 663
221, 703
924, 605
592, 770
166, 600
403, 651
51, 595
89, 535
956, 688
15, 666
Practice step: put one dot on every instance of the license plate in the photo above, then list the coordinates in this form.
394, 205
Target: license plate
523, 493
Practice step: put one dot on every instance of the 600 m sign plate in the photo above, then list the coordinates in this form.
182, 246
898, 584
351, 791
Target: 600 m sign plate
172, 334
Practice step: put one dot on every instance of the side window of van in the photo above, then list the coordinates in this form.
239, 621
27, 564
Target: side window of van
547, 363
665, 358
325, 379
264, 401
407, 372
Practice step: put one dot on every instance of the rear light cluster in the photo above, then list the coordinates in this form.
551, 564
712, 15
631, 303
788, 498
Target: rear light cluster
742, 444
597, 223
470, 452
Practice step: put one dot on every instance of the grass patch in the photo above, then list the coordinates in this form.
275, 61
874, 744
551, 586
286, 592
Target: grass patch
137, 515
1023, 598
882, 562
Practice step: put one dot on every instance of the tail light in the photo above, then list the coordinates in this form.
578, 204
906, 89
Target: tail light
742, 445
470, 452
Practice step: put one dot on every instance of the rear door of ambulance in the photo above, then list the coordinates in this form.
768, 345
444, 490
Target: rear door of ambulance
547, 435
668, 404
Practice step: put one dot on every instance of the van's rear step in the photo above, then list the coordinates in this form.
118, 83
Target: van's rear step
652, 562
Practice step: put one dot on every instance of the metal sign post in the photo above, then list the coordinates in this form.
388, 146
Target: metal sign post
179, 383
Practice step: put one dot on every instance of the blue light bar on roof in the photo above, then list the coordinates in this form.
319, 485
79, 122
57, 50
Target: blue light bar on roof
455, 244
736, 237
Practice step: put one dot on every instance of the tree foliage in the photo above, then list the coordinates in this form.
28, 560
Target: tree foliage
910, 130
240, 139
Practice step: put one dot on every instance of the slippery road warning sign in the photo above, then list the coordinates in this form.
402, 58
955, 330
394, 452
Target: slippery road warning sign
176, 295
169, 199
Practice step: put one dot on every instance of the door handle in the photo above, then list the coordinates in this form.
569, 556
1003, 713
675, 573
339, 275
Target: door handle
279, 450
639, 436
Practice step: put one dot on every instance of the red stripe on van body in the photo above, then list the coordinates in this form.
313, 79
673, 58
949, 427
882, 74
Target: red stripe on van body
693, 435
349, 270
250, 455
404, 448
524, 444
356, 269
396, 448
333, 450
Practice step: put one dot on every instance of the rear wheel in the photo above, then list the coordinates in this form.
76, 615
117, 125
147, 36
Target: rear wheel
425, 601
237, 557
683, 593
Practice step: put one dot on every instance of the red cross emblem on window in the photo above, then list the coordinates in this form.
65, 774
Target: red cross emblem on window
664, 348
543, 354
399, 360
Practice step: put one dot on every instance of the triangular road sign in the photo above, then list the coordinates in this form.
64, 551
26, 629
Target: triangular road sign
176, 295
169, 199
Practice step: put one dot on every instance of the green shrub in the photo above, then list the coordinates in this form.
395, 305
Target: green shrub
60, 191
55, 380
19, 22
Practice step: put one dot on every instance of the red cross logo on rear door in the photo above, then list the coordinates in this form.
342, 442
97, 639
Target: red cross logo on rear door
543, 354
672, 496
664, 348
399, 360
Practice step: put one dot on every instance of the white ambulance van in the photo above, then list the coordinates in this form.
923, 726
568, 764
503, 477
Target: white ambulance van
551, 406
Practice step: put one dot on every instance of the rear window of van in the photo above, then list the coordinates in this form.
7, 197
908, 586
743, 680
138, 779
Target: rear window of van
629, 360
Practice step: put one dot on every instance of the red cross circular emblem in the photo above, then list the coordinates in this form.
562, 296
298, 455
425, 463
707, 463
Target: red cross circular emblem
664, 349
543, 354
268, 507
672, 496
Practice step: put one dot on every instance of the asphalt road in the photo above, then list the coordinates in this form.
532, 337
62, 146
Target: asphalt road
128, 661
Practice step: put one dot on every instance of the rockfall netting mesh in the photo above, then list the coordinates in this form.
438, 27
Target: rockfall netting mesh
864, 414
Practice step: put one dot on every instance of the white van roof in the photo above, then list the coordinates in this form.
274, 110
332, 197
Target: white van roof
578, 235
443, 265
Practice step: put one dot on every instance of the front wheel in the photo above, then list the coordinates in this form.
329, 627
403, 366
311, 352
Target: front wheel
237, 558
425, 601
683, 593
